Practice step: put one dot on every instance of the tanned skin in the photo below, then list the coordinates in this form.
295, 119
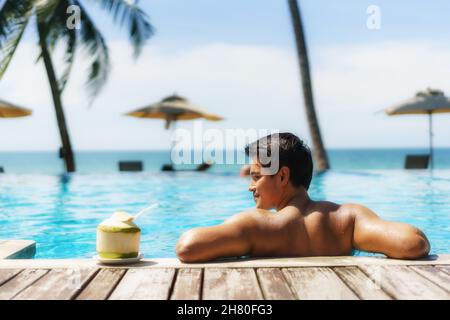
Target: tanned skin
300, 227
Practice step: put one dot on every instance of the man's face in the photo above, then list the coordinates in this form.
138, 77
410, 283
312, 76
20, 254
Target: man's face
265, 188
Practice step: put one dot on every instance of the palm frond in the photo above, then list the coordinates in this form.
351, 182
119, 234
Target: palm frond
15, 14
56, 21
127, 12
14, 17
44, 8
85, 36
90, 38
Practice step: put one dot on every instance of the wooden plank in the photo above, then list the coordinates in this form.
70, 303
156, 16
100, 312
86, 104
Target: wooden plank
187, 285
273, 284
364, 287
58, 284
436, 275
317, 283
144, 284
102, 285
402, 282
20, 282
231, 284
444, 268
7, 274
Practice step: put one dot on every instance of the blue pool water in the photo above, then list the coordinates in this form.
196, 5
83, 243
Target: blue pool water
61, 213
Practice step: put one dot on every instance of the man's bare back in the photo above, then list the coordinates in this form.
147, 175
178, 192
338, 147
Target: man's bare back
324, 229
300, 226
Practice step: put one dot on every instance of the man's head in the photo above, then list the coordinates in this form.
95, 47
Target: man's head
295, 168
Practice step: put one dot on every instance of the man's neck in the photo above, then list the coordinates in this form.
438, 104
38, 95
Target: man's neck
297, 197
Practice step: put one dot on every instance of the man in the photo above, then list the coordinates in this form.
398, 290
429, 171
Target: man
300, 226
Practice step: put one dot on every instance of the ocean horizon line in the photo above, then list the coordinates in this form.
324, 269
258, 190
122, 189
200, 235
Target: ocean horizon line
168, 150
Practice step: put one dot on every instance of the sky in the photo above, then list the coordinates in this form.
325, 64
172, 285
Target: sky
238, 59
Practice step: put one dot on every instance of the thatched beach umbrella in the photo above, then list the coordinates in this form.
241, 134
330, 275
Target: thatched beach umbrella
8, 110
426, 102
172, 109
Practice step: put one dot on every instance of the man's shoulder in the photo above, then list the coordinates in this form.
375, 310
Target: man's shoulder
352, 208
334, 211
252, 219
247, 216
350, 212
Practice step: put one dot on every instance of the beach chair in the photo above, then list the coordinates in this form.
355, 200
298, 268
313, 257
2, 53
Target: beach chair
167, 167
133, 166
201, 167
417, 161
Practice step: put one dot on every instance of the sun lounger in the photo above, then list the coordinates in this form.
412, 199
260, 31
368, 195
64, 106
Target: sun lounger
133, 166
417, 161
201, 167
167, 167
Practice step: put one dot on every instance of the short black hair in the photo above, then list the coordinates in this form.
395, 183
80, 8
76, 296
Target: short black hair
293, 153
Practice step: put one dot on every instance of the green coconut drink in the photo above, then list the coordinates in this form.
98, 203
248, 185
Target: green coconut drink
118, 237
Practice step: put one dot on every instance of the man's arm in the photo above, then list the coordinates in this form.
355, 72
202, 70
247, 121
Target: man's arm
230, 239
394, 239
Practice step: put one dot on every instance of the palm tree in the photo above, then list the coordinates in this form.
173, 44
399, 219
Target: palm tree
320, 155
51, 18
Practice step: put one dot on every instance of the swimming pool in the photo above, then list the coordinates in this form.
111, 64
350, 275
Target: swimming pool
61, 213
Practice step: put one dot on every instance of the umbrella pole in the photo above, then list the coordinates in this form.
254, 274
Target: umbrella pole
173, 140
430, 129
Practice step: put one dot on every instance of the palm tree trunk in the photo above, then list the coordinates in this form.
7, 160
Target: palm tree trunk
320, 155
67, 152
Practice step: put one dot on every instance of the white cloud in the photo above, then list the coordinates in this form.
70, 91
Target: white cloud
251, 86
354, 82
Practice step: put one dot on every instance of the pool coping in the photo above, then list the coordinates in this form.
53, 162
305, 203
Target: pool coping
17, 249
442, 259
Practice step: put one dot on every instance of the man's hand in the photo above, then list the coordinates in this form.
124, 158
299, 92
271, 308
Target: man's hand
395, 240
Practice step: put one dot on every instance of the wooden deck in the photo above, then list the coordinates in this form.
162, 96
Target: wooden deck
288, 278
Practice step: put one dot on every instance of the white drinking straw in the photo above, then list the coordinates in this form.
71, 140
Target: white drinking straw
145, 210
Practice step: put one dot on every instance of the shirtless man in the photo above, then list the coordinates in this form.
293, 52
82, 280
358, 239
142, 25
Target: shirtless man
300, 226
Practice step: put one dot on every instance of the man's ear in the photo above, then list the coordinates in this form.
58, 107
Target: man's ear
284, 176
